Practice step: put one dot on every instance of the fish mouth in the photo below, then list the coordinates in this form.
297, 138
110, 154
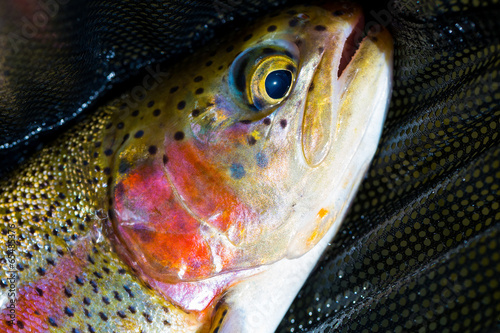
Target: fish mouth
351, 45
330, 84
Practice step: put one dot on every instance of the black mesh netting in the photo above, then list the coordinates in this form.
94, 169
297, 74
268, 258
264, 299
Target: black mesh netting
420, 248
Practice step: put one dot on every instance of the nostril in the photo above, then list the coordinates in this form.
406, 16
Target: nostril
351, 45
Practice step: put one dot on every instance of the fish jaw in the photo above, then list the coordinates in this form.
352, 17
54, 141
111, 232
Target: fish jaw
362, 101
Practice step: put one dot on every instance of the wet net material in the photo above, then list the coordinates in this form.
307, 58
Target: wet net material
420, 248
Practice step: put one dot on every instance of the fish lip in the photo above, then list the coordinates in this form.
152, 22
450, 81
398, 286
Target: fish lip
319, 122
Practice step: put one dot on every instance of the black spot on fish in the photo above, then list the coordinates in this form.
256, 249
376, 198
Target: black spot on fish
120, 125
311, 86
20, 324
39, 291
117, 296
174, 89
129, 291
237, 171
208, 63
198, 78
151, 103
338, 13
108, 152
135, 113
139, 134
86, 301
195, 113
68, 312
165, 160
121, 314
78, 280
247, 37
293, 22
103, 316
229, 48
152, 150
251, 140
148, 317
320, 28
181, 105
246, 121
105, 300
52, 322
283, 123
271, 28
267, 121
179, 136
91, 329
125, 138
132, 309
40, 271
67, 292
321, 49
156, 112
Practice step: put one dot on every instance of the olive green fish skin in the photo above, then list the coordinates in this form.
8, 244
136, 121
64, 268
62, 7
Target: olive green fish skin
69, 279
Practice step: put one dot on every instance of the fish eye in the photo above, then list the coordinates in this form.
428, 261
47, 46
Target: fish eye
271, 81
262, 77
278, 84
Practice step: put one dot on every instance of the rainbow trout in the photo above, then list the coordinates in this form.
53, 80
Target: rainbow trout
180, 209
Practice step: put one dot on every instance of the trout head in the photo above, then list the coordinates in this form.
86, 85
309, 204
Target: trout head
250, 152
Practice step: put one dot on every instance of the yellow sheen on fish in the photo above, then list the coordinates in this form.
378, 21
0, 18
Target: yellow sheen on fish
228, 178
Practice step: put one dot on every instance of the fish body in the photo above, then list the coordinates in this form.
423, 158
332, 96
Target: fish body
144, 215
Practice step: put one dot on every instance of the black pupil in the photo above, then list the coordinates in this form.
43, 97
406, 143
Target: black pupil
278, 83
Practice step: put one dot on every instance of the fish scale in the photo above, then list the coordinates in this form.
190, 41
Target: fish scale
68, 270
